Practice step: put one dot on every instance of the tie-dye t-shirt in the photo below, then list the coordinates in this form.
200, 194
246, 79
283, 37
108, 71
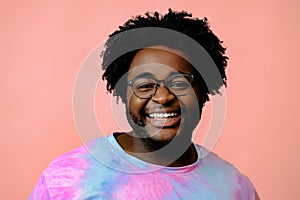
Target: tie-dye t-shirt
103, 170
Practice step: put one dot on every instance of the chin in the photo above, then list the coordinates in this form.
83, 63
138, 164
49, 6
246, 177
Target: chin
162, 134
154, 138
157, 137
157, 143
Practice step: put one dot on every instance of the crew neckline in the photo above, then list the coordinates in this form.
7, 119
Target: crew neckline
143, 166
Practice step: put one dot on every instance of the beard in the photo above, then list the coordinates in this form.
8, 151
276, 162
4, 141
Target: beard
181, 140
139, 127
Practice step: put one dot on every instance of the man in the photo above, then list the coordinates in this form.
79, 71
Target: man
164, 88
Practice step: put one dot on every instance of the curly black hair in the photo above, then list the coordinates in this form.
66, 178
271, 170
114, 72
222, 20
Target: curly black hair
197, 29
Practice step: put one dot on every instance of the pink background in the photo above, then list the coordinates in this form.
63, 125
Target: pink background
44, 43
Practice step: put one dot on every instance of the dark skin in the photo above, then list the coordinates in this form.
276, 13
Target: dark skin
135, 145
173, 132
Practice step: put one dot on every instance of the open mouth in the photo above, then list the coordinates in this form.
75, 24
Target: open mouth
164, 119
164, 115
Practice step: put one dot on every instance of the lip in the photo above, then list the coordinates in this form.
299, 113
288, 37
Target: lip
164, 119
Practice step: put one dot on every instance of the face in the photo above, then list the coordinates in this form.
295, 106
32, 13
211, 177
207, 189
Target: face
165, 115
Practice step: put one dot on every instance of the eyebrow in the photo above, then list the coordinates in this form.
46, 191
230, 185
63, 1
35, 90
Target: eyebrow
148, 74
143, 75
177, 72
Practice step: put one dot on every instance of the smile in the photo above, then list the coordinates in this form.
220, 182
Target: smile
163, 115
164, 119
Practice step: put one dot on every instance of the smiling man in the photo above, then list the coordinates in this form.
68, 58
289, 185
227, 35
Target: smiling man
163, 91
160, 102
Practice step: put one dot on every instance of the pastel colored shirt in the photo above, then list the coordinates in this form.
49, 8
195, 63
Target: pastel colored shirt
103, 170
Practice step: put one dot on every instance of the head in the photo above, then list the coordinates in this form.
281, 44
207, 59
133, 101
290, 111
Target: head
160, 60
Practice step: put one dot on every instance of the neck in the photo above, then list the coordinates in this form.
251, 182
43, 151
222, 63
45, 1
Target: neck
179, 152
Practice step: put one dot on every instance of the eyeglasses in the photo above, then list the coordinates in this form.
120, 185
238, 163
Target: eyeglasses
146, 87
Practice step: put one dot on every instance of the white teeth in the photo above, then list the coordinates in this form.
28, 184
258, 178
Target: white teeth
162, 115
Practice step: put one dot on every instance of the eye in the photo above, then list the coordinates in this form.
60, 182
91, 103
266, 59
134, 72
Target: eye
145, 86
180, 85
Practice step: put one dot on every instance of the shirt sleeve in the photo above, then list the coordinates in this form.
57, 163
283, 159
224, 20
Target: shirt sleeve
40, 191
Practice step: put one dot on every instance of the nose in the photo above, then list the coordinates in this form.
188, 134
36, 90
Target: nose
163, 95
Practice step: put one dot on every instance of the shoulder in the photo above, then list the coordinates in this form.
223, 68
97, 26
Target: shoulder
62, 172
64, 169
212, 161
77, 158
221, 172
70, 159
67, 173
71, 165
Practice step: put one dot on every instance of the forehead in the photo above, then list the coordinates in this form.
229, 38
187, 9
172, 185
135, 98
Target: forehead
159, 61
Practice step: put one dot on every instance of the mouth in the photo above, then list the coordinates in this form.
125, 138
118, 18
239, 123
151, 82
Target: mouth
164, 119
163, 115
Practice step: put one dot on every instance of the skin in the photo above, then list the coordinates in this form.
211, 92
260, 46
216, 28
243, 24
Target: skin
151, 134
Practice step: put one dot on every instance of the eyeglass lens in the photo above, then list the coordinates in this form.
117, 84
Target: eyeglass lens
146, 87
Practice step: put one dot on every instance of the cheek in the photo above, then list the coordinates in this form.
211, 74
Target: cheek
200, 96
135, 105
129, 93
130, 99
191, 99
190, 105
193, 105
